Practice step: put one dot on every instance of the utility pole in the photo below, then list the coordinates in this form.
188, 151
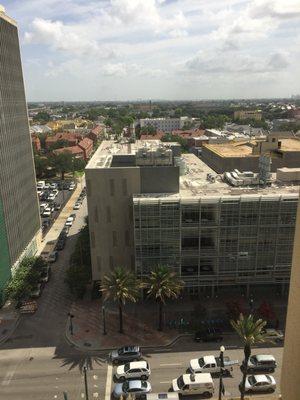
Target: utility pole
85, 383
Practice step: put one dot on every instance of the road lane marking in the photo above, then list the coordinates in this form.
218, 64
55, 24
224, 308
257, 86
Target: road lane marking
8, 377
108, 382
170, 365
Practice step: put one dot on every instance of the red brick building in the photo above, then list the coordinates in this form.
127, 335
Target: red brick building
36, 143
86, 145
72, 138
76, 151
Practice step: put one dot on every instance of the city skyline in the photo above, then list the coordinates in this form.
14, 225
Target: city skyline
130, 49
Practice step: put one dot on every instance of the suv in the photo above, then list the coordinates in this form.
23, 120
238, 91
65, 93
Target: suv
135, 369
262, 363
209, 335
126, 353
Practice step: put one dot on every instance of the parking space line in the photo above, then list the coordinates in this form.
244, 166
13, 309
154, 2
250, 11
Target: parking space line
165, 382
170, 365
108, 382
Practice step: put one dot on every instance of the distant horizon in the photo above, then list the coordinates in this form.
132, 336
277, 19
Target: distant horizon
164, 49
164, 100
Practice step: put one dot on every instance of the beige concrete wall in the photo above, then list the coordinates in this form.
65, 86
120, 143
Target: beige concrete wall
109, 196
290, 387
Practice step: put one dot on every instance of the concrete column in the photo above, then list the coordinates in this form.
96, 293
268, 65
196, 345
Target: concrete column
290, 388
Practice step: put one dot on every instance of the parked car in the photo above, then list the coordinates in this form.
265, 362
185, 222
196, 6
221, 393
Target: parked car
73, 216
274, 335
53, 256
260, 383
76, 206
45, 274
209, 335
57, 206
192, 384
46, 214
69, 222
47, 186
261, 362
51, 196
135, 388
65, 230
60, 245
126, 353
37, 291
211, 364
135, 369
53, 185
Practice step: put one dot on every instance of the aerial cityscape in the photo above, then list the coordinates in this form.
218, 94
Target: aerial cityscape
149, 192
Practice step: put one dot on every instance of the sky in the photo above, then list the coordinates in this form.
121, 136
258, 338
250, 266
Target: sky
158, 49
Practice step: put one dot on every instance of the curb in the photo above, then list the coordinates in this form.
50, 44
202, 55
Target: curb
10, 333
164, 346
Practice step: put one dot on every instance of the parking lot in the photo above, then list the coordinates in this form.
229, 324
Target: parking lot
52, 200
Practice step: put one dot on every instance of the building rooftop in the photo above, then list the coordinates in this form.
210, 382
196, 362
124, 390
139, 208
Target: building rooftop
194, 184
194, 181
244, 148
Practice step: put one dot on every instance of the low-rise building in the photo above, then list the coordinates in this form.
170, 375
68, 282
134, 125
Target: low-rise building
86, 145
36, 143
76, 151
164, 124
71, 138
244, 155
148, 205
248, 114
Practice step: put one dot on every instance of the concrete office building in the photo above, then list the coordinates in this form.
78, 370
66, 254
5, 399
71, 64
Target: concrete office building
150, 205
164, 124
19, 212
244, 155
290, 388
248, 114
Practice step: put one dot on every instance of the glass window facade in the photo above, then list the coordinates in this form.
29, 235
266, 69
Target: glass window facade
225, 241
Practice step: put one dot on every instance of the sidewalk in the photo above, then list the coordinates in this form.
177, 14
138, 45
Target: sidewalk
9, 319
88, 328
59, 223
9, 315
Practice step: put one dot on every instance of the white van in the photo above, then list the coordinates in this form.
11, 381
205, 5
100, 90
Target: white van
189, 384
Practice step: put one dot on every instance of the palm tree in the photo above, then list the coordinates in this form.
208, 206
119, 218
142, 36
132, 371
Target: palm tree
163, 284
121, 286
251, 332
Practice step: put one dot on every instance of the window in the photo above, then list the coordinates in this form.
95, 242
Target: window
126, 238
96, 215
124, 186
112, 187
190, 242
93, 239
114, 238
108, 214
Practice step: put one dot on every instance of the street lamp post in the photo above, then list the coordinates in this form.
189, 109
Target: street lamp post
104, 320
71, 316
85, 383
221, 385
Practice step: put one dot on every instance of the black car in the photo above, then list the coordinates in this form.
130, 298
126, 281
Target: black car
209, 335
60, 245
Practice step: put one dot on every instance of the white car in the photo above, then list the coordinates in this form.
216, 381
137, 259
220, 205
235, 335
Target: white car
131, 387
274, 335
260, 383
46, 213
69, 221
53, 186
51, 196
135, 369
76, 206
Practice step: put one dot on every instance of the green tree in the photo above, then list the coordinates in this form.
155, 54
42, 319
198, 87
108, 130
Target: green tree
62, 162
148, 130
41, 165
42, 116
121, 286
23, 281
78, 164
251, 333
163, 284
80, 271
176, 138
59, 144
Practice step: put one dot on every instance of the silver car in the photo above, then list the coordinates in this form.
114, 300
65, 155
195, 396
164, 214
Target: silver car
135, 388
135, 369
260, 383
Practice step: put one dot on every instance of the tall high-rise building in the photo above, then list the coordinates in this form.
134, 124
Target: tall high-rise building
19, 211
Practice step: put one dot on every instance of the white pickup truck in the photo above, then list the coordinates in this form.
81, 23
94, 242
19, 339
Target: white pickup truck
211, 364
